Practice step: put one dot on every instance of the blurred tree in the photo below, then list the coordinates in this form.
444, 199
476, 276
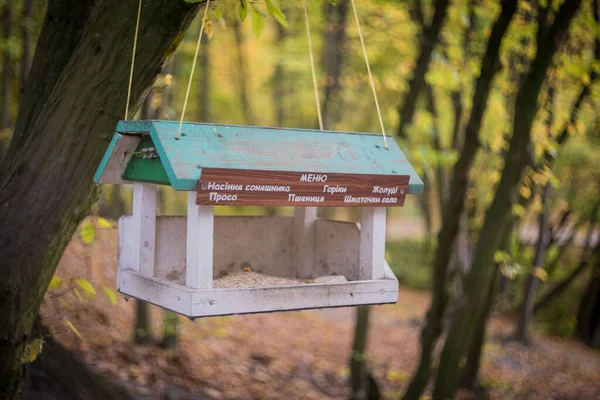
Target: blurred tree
458, 189
242, 73
429, 38
7, 66
364, 385
462, 327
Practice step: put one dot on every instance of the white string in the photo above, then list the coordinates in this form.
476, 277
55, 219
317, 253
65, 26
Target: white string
312, 66
187, 93
135, 37
362, 42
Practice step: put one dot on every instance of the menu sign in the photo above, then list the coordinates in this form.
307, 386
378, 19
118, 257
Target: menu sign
238, 187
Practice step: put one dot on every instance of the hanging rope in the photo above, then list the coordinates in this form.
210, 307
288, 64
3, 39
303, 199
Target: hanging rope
364, 49
312, 66
187, 92
135, 37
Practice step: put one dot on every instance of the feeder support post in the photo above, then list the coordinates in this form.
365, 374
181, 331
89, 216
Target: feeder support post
372, 243
144, 227
199, 247
304, 240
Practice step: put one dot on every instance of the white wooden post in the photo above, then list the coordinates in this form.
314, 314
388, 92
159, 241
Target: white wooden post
144, 227
199, 248
304, 240
372, 243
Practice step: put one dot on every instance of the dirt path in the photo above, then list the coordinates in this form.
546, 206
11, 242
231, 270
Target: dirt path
296, 355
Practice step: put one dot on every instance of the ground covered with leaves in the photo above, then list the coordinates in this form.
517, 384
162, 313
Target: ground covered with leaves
293, 355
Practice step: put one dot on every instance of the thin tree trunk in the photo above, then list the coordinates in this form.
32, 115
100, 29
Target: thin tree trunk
469, 374
588, 316
142, 333
279, 78
462, 327
429, 38
523, 328
437, 145
242, 73
26, 20
455, 206
334, 52
61, 133
364, 386
171, 330
204, 82
5, 121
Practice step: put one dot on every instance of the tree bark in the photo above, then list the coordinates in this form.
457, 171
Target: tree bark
204, 81
5, 121
523, 328
429, 38
334, 52
67, 116
242, 73
462, 327
364, 386
26, 40
455, 205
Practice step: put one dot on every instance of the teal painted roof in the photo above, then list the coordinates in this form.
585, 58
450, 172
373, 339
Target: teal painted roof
256, 148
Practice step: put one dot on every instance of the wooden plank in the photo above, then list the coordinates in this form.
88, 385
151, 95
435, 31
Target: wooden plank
214, 302
199, 249
372, 243
304, 241
144, 227
337, 249
116, 158
170, 249
161, 293
294, 150
224, 186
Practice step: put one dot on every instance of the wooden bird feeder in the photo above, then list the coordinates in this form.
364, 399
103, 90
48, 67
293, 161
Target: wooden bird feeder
176, 262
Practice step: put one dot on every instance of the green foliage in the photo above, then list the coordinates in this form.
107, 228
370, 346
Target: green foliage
258, 21
410, 260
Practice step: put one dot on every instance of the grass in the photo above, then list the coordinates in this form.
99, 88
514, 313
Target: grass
411, 262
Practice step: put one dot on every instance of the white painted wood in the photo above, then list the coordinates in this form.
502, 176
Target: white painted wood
261, 243
199, 253
158, 292
372, 243
144, 227
304, 241
212, 302
171, 243
119, 158
337, 249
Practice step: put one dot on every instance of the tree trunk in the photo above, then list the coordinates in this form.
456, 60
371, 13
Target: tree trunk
171, 330
588, 316
429, 38
437, 145
143, 324
522, 330
5, 122
74, 95
242, 73
334, 52
364, 386
469, 374
204, 81
26, 21
278, 81
462, 327
455, 205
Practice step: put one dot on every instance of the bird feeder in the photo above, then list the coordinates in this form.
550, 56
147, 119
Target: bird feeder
176, 262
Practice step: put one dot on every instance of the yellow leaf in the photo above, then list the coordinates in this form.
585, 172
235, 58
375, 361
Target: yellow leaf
55, 283
87, 232
104, 223
87, 287
525, 192
518, 210
72, 327
32, 350
540, 273
112, 297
